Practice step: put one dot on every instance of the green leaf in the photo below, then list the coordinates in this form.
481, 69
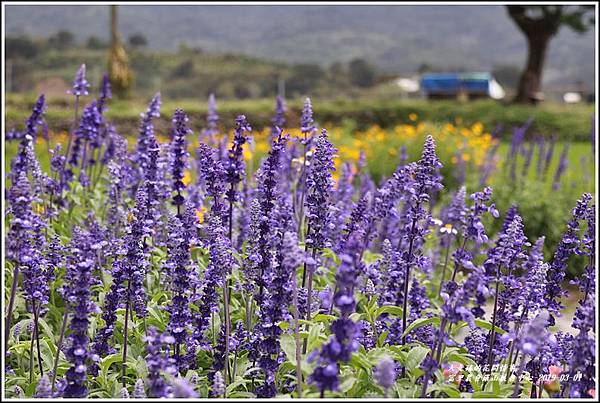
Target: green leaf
359, 360
391, 309
323, 318
483, 394
449, 389
415, 356
484, 324
355, 316
108, 361
288, 345
419, 323
382, 337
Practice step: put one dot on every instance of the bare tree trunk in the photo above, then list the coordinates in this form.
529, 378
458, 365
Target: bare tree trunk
531, 78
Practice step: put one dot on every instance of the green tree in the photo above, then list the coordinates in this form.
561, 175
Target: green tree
303, 78
137, 40
20, 47
93, 42
539, 24
62, 40
361, 73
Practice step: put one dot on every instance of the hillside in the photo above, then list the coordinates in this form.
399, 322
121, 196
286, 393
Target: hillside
395, 38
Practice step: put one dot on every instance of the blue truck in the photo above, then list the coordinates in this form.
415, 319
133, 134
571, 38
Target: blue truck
452, 85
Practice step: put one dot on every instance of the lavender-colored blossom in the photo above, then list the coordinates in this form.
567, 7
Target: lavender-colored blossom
88, 131
279, 118
532, 335
124, 393
146, 132
562, 166
80, 85
139, 390
43, 389
385, 373
180, 273
267, 194
158, 362
105, 93
218, 385
306, 120
26, 245
275, 309
212, 119
344, 339
558, 265
213, 174
220, 264
319, 184
179, 155
235, 168
78, 295
180, 388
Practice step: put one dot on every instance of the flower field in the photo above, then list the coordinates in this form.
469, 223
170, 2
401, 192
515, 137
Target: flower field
425, 260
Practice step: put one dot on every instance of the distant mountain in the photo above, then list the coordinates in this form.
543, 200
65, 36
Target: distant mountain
395, 38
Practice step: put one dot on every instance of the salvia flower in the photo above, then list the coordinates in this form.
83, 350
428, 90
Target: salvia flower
562, 166
105, 93
146, 132
80, 85
319, 184
44, 388
279, 118
180, 270
220, 263
218, 385
212, 119
306, 120
566, 248
180, 388
179, 156
78, 295
345, 332
213, 174
385, 373
158, 362
236, 169
139, 390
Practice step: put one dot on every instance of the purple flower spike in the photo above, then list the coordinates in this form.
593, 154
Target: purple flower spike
80, 85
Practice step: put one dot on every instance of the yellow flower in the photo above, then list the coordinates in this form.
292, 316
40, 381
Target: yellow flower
39, 209
412, 117
247, 154
187, 178
477, 128
200, 214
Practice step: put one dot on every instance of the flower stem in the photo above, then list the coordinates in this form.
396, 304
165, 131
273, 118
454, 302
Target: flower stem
226, 315
59, 344
309, 300
444, 268
36, 311
297, 334
493, 331
124, 360
11, 304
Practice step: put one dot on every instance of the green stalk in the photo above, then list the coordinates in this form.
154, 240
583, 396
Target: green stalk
11, 304
59, 344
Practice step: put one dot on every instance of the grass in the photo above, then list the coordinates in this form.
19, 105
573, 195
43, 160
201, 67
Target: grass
567, 122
